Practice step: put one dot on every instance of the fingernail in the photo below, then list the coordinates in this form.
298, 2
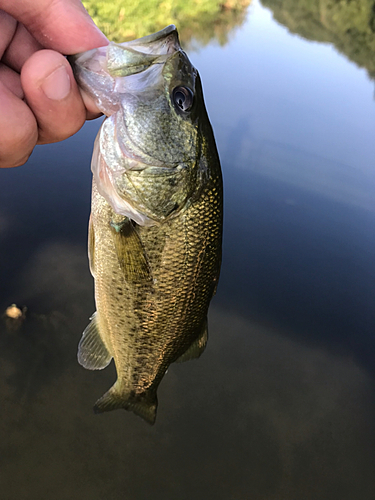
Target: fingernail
57, 84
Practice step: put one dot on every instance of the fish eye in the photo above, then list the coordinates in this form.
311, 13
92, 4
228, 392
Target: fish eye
183, 98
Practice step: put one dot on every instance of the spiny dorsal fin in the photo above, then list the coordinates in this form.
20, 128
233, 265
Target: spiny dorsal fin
197, 347
130, 252
92, 353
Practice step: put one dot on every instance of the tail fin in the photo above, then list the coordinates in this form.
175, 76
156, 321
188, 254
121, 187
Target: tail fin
144, 405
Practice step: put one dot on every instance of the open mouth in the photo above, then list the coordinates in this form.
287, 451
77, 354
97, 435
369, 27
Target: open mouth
128, 67
124, 59
164, 42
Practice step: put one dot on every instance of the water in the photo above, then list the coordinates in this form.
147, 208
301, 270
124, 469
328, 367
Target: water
281, 405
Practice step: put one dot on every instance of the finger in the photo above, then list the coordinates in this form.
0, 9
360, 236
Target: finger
18, 129
11, 80
22, 46
8, 27
49, 21
92, 110
52, 94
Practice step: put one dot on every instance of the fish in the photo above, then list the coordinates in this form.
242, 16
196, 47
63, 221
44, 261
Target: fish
155, 228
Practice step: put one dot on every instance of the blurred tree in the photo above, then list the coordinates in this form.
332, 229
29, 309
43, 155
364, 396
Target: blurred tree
197, 20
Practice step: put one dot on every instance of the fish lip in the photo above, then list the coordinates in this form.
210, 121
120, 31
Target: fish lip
153, 37
82, 57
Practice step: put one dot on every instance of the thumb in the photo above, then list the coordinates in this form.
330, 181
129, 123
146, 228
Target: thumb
53, 96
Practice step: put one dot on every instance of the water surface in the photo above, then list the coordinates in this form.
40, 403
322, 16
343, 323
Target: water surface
281, 405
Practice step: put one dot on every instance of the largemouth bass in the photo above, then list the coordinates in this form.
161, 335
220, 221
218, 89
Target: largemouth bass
155, 228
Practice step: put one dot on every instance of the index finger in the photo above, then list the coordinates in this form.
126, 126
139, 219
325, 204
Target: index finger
61, 25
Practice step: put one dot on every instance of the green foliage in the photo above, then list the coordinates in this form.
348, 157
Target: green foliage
200, 20
348, 24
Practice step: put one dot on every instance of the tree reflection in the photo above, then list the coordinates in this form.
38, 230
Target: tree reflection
198, 21
349, 26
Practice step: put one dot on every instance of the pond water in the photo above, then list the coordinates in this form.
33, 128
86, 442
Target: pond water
282, 403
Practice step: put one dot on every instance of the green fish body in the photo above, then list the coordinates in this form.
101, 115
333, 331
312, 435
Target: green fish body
155, 228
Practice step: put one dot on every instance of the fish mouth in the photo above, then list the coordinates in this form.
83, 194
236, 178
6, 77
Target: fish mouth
107, 72
124, 59
163, 41
154, 37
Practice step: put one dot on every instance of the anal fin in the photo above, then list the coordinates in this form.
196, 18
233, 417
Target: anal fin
92, 352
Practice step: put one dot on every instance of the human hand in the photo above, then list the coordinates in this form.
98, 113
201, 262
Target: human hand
39, 99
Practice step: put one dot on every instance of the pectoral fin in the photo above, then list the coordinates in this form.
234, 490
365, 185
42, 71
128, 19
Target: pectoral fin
131, 254
92, 353
197, 347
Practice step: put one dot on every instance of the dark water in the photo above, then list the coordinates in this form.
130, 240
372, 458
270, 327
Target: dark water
282, 403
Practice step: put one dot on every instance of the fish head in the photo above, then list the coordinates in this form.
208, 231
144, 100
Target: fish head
146, 155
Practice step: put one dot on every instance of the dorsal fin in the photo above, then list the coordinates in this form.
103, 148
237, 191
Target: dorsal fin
92, 353
130, 252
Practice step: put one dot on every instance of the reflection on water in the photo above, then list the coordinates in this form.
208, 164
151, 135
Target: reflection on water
282, 403
349, 26
264, 413
198, 22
